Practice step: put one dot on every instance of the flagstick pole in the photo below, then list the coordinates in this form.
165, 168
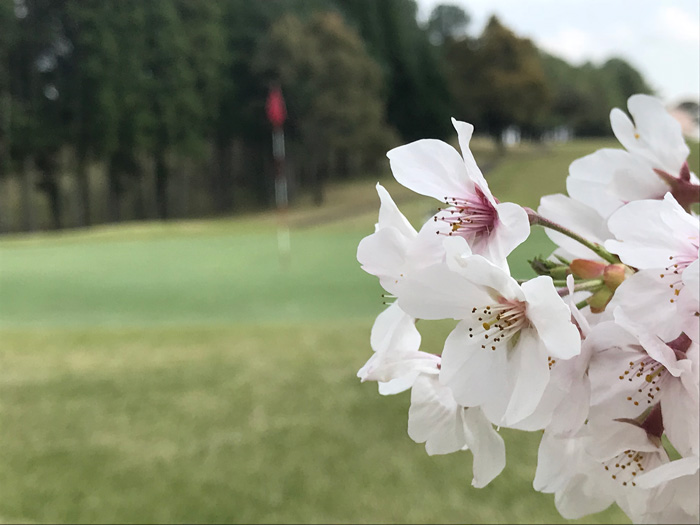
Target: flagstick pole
281, 198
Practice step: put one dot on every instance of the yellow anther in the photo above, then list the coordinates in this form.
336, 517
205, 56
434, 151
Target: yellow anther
486, 326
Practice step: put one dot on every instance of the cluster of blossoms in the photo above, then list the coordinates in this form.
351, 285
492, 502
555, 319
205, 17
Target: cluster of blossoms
599, 351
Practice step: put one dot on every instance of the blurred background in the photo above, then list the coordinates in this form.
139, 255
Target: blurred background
167, 353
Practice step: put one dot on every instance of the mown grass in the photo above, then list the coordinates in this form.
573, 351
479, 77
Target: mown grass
177, 373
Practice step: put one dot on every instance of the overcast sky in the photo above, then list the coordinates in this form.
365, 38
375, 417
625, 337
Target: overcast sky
661, 38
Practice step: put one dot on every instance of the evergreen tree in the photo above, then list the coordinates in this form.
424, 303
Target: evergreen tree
499, 79
447, 22
37, 64
416, 89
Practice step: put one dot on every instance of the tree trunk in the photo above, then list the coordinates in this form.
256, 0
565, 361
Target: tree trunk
28, 183
184, 187
222, 179
114, 191
140, 199
53, 190
83, 183
50, 185
500, 145
162, 185
318, 172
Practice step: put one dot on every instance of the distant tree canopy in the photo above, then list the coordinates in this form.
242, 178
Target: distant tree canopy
447, 22
583, 96
417, 95
497, 80
118, 109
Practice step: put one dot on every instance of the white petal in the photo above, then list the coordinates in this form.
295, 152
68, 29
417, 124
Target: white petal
691, 279
553, 463
391, 216
395, 364
623, 128
395, 326
474, 374
551, 317
434, 417
427, 248
685, 226
438, 293
612, 438
541, 417
590, 178
577, 217
570, 415
397, 385
644, 296
669, 471
493, 280
431, 167
456, 249
661, 139
464, 135
383, 254
647, 232
689, 301
657, 349
532, 375
486, 445
680, 414
611, 360
637, 181
513, 229
582, 497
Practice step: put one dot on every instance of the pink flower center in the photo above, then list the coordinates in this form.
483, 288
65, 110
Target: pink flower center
473, 217
497, 324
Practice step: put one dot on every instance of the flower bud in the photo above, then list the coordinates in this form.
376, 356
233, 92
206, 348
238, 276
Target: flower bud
600, 299
614, 274
587, 269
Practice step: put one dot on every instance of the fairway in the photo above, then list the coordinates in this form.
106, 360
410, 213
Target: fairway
177, 372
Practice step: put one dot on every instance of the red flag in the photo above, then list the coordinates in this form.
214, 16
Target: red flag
276, 111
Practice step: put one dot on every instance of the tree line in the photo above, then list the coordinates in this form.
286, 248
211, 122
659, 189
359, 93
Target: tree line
122, 109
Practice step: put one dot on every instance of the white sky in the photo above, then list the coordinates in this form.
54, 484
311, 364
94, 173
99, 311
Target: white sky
660, 38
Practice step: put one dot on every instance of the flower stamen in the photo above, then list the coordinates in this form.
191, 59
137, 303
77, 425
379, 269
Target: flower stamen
498, 323
648, 376
472, 217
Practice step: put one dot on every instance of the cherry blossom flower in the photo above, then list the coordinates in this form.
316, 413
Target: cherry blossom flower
434, 417
565, 402
676, 498
601, 350
632, 370
437, 420
662, 240
599, 466
397, 361
434, 168
499, 355
609, 178
654, 135
653, 163
395, 247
